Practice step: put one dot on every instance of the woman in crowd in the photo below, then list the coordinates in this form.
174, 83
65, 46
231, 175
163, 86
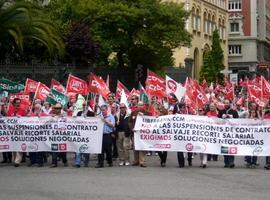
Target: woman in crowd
252, 160
212, 113
162, 154
203, 156
37, 157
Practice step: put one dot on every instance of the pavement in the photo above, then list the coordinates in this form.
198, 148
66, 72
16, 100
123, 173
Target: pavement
127, 182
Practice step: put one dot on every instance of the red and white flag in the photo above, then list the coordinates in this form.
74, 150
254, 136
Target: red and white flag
255, 95
42, 91
133, 92
176, 88
198, 93
155, 85
76, 85
119, 88
204, 84
229, 91
30, 86
57, 86
98, 85
265, 87
25, 100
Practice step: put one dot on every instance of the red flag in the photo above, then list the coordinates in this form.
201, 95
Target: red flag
265, 87
30, 86
57, 86
72, 96
42, 91
229, 91
255, 95
198, 93
98, 85
190, 98
255, 86
134, 92
204, 84
119, 88
240, 101
25, 100
76, 85
108, 81
155, 85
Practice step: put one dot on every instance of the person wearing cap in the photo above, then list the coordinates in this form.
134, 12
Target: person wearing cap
84, 113
109, 124
123, 136
57, 112
139, 156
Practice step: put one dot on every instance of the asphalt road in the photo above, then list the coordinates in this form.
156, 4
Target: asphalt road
151, 183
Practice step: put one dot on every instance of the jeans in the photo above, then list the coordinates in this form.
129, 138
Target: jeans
78, 157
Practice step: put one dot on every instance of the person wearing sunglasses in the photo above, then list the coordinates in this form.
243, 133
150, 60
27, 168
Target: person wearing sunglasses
123, 136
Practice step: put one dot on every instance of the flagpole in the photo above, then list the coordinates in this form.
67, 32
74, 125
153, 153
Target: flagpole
34, 97
67, 84
87, 98
262, 96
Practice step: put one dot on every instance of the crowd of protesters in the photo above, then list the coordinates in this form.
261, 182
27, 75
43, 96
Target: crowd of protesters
119, 121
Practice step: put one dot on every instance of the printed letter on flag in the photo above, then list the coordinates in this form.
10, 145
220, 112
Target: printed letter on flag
76, 85
42, 91
57, 86
173, 87
30, 86
98, 85
155, 85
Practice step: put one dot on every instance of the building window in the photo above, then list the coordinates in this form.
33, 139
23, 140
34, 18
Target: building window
222, 4
235, 5
235, 50
234, 27
198, 23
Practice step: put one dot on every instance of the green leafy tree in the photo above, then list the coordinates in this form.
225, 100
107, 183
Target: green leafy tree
213, 62
137, 32
22, 22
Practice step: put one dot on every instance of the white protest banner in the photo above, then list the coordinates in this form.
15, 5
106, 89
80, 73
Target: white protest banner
190, 133
60, 134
